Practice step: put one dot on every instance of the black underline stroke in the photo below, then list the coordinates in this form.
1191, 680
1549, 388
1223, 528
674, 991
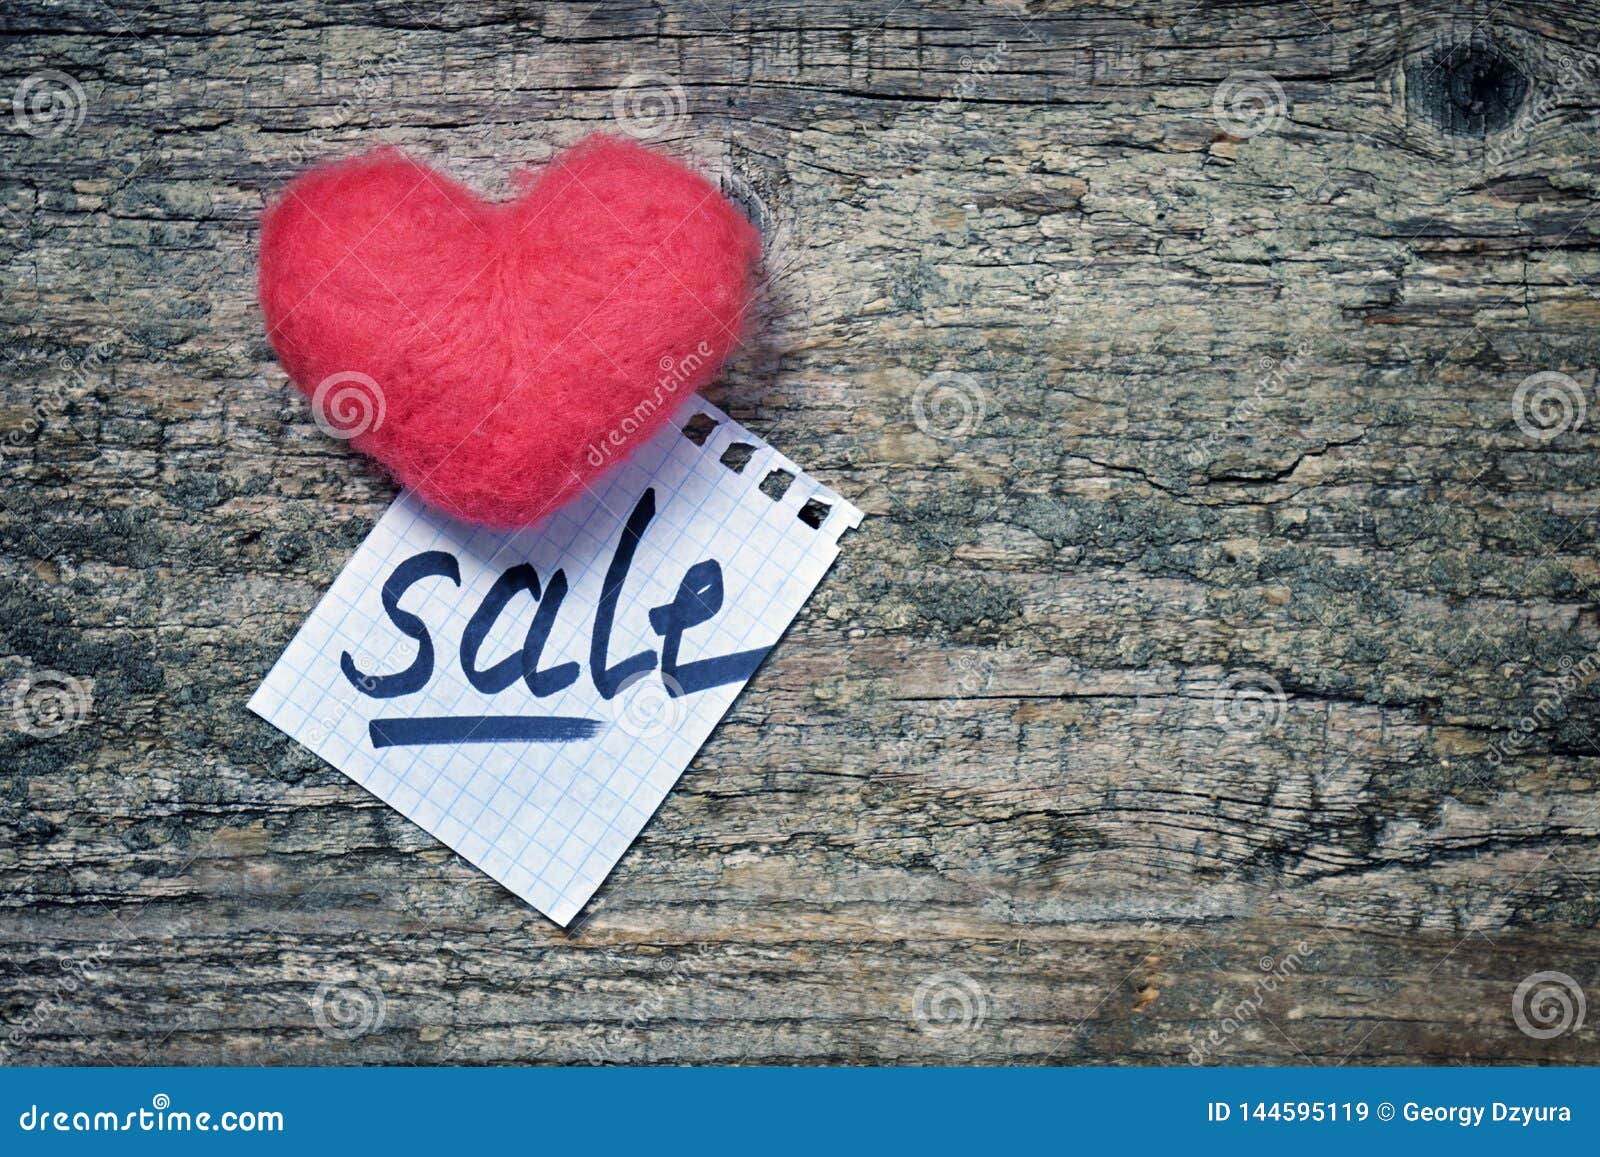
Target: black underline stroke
429, 729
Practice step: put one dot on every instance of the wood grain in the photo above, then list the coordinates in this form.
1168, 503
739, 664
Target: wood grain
1211, 681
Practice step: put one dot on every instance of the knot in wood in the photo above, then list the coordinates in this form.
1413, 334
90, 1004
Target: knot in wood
1470, 88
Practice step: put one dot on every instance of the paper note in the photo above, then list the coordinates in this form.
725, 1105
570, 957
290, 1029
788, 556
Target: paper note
530, 697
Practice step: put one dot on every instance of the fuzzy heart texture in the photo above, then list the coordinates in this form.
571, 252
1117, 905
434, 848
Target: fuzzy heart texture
497, 357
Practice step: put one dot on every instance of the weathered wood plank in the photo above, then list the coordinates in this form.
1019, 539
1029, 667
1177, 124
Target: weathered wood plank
1223, 612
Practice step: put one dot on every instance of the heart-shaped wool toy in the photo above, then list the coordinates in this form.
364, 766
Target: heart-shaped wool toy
496, 357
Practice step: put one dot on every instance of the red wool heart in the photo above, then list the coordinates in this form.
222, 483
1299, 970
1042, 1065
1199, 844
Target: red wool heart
496, 357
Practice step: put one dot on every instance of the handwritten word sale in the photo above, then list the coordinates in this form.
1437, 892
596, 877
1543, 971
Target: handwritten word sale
698, 599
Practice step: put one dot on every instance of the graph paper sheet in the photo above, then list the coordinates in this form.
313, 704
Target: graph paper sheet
468, 677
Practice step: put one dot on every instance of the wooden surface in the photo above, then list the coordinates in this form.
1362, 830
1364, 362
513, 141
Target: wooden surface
1234, 413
